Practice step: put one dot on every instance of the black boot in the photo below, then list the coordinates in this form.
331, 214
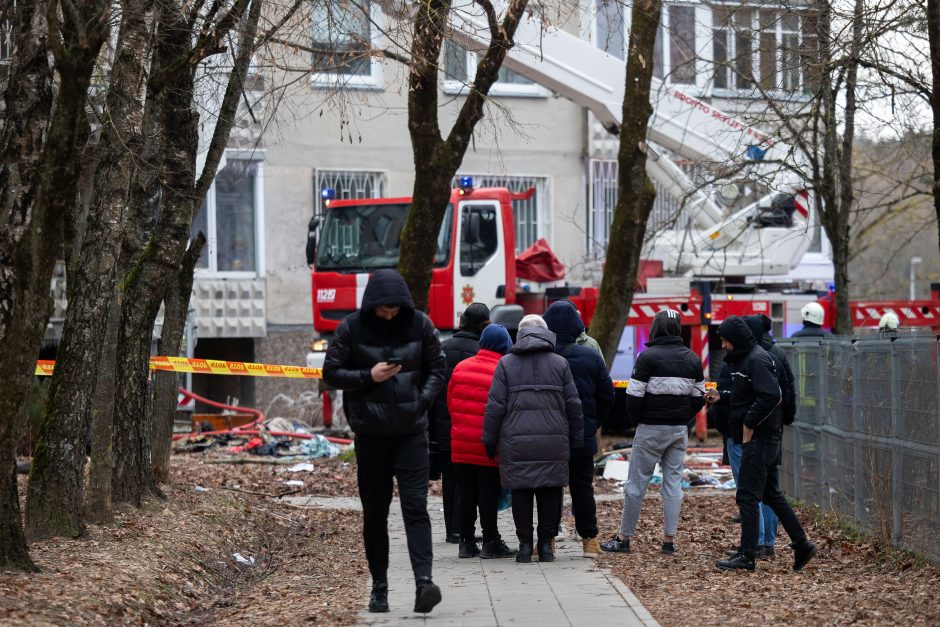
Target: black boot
546, 554
496, 549
378, 600
803, 552
427, 595
524, 556
467, 548
739, 561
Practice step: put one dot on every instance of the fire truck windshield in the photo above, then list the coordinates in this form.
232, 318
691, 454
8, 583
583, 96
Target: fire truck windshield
363, 238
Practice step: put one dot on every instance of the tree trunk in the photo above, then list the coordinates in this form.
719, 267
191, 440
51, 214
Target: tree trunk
933, 34
635, 191
56, 497
28, 101
176, 307
98, 500
436, 160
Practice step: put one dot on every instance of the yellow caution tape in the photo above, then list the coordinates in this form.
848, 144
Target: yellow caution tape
213, 366
217, 366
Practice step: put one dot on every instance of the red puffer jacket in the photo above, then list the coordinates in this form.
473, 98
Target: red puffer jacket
467, 393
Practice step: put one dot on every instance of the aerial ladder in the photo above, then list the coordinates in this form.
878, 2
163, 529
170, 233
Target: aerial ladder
766, 237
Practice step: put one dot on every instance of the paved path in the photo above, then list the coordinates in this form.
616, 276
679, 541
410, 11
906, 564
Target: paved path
570, 591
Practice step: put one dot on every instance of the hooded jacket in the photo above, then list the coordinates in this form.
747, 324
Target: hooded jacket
667, 386
588, 369
463, 345
759, 326
533, 414
398, 406
755, 395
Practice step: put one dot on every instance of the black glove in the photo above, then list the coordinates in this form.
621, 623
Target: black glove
490, 450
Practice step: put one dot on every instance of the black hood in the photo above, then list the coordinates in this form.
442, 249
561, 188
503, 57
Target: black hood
387, 287
758, 328
564, 321
666, 322
737, 331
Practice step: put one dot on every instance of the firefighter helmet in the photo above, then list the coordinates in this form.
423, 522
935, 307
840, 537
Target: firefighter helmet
889, 322
813, 312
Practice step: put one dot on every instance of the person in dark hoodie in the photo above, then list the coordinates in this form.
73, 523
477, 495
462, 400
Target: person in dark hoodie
754, 399
760, 327
533, 418
666, 389
596, 392
464, 344
387, 358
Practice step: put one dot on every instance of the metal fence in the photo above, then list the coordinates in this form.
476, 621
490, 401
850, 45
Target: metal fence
866, 441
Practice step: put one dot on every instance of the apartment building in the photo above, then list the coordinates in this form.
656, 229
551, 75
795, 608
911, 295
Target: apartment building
252, 292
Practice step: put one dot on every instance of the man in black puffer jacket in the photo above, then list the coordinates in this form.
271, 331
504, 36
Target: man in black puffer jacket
464, 344
596, 392
667, 388
387, 358
755, 418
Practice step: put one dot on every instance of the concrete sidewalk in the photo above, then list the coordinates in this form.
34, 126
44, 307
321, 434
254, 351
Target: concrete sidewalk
570, 591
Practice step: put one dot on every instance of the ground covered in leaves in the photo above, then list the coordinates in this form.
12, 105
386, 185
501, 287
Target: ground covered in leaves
204, 555
851, 580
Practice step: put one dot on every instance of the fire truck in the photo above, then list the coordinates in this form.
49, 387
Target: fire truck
756, 224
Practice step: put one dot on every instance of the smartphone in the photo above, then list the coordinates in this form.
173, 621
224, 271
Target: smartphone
395, 361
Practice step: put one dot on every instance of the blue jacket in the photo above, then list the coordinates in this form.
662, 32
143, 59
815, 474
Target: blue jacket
595, 388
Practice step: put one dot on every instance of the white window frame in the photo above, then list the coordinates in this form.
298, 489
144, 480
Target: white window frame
211, 271
375, 80
381, 181
777, 93
498, 89
543, 201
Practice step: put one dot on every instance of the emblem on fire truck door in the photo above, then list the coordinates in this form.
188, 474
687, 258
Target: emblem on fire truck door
468, 294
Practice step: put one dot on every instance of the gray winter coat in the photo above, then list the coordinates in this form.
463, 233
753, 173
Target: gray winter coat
533, 413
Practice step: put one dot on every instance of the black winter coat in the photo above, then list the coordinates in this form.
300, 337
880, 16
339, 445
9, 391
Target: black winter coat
667, 386
398, 406
463, 345
813, 331
595, 389
755, 396
533, 414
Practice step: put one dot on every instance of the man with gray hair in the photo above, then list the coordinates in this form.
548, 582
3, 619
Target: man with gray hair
667, 388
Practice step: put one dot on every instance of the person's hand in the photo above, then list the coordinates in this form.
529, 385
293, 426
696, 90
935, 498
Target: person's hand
748, 434
383, 372
712, 396
490, 451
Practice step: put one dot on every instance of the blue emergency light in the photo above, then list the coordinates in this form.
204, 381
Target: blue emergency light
466, 182
328, 193
756, 153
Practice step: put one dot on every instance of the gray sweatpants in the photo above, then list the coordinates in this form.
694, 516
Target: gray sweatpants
666, 445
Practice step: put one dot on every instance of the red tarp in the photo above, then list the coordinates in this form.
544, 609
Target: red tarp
538, 263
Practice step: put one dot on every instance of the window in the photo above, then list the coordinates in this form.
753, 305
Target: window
479, 237
530, 213
761, 47
230, 217
349, 184
460, 67
673, 53
342, 42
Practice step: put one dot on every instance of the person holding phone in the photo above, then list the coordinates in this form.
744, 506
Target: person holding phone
387, 358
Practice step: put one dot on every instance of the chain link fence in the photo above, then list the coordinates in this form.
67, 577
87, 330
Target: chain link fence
866, 441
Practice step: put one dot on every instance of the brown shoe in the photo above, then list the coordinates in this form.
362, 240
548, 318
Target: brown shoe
591, 548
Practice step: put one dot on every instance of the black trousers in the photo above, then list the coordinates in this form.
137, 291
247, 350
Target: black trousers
405, 459
451, 495
477, 487
581, 485
758, 483
549, 504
